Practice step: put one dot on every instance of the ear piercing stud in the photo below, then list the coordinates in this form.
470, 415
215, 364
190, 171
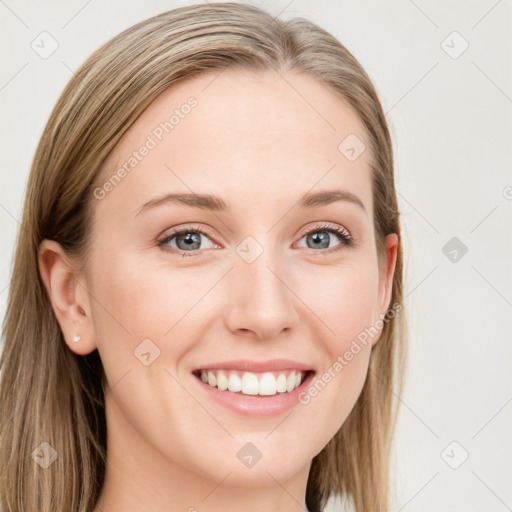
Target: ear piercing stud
76, 338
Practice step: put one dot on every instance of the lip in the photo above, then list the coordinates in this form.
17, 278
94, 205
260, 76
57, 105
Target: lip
255, 405
257, 366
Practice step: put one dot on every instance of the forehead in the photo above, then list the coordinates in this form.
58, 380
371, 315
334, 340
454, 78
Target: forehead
234, 131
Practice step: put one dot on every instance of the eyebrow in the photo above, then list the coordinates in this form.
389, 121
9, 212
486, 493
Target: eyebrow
217, 204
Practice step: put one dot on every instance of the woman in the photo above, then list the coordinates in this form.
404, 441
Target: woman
205, 310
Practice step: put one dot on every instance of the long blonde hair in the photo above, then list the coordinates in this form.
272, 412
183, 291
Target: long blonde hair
50, 394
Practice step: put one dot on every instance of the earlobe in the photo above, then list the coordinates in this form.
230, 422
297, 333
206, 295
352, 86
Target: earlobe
69, 299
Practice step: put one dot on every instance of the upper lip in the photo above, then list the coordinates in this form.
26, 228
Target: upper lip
257, 366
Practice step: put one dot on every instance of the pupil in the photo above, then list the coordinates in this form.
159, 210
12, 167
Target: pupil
321, 238
189, 239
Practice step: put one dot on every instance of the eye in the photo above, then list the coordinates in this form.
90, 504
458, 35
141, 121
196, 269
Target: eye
186, 240
320, 237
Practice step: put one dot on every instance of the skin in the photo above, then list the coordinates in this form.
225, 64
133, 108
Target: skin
254, 141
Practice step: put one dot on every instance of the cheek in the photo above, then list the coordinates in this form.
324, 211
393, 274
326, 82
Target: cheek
135, 301
140, 299
343, 308
342, 298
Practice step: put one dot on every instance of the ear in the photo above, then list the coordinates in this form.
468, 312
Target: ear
386, 274
68, 296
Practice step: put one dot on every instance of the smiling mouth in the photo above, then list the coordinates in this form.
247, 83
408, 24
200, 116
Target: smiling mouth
253, 383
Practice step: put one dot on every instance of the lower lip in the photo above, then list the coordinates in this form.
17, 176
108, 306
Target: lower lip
255, 405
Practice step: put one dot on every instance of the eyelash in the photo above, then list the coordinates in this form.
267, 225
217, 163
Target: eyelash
346, 239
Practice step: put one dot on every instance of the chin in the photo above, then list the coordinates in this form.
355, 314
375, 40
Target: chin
272, 465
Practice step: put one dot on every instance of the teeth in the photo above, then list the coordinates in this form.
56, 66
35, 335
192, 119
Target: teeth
234, 383
222, 381
249, 383
281, 383
268, 384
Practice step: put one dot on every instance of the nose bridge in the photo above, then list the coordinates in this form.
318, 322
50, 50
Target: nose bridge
261, 300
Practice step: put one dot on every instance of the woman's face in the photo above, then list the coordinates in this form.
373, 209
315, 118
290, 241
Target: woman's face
258, 278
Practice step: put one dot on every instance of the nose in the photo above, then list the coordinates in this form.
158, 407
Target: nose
261, 298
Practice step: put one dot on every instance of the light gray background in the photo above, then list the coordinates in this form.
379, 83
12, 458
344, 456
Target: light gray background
451, 123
